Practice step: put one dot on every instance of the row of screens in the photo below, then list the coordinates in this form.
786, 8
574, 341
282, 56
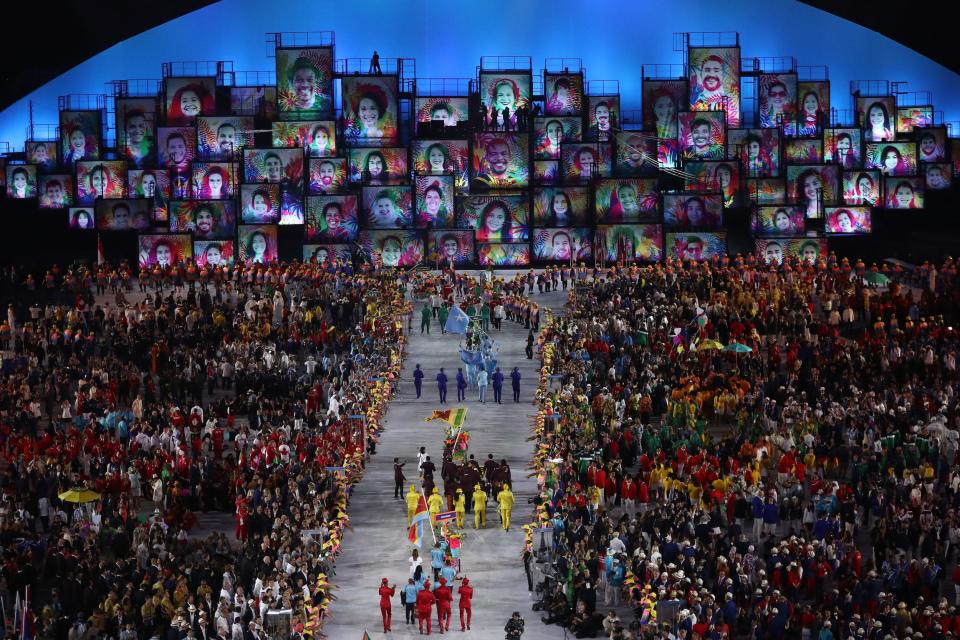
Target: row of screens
259, 244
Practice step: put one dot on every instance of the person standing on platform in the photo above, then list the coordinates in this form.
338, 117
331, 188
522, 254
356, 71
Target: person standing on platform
425, 602
479, 507
444, 597
442, 386
466, 596
442, 315
386, 611
425, 319
482, 385
398, 478
418, 379
375, 64
497, 379
461, 385
505, 500
515, 381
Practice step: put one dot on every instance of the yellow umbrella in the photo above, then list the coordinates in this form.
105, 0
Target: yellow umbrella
709, 344
80, 495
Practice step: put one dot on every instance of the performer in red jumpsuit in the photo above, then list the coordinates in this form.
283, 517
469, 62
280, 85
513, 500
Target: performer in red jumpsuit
242, 514
425, 600
385, 611
466, 594
444, 597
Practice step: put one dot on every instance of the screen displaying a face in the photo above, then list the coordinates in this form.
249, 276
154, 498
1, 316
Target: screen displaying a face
877, 118
909, 118
603, 117
695, 246
205, 219
891, 158
903, 193
385, 165
546, 171
806, 250
332, 219
188, 98
442, 157
813, 108
455, 246
81, 218
627, 200
714, 75
662, 101
778, 220
777, 93
388, 207
803, 150
563, 245
931, 144
123, 215
100, 179
501, 91
861, 188
212, 254
254, 101
551, 132
500, 160
304, 82
631, 243
717, 176
637, 154
327, 253
164, 250
370, 109
496, 218
136, 120
41, 154
176, 147
701, 135
213, 180
813, 186
257, 244
937, 175
283, 167
503, 255
395, 248
221, 138
561, 206
79, 136
842, 147
154, 185
327, 175
757, 149
584, 162
563, 94
448, 110
319, 137
55, 191
260, 203
848, 220
692, 211
435, 207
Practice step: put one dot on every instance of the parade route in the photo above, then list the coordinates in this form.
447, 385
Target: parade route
491, 558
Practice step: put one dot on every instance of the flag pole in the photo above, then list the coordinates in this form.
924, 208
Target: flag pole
432, 532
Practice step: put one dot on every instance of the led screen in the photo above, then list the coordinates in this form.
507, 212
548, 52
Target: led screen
79, 136
188, 98
442, 157
101, 179
176, 147
903, 193
81, 218
501, 91
585, 161
503, 255
42, 154
937, 175
892, 158
55, 191
550, 133
220, 138
765, 190
304, 82
637, 242
136, 120
773, 251
685, 211
395, 248
325, 253
603, 114
214, 180
496, 218
813, 186
563, 94
718, 176
757, 149
803, 151
327, 175
385, 165
260, 203
388, 207
909, 118
446, 109
205, 219
877, 118
848, 220
561, 206
500, 160
370, 113
637, 154
662, 101
701, 135
714, 76
777, 98
435, 205
563, 245
164, 250
123, 215
318, 136
452, 246
627, 200
931, 144
777, 220
283, 167
842, 147
154, 185
695, 246
861, 187
332, 219
813, 107
213, 253
254, 101
257, 244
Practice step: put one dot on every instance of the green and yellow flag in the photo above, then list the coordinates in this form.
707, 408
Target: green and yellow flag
454, 417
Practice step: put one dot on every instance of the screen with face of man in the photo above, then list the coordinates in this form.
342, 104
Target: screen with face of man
80, 136
603, 117
279, 166
686, 211
551, 132
842, 146
434, 199
205, 219
318, 137
100, 179
257, 244
388, 207
456, 246
493, 254
370, 110
563, 94
931, 143
627, 200
164, 250
395, 247
637, 154
304, 82
563, 245
42, 154
221, 138
700, 245
561, 206
176, 147
496, 218
331, 219
585, 161
446, 109
777, 98
701, 135
211, 254
384, 165
132, 214
500, 160
55, 191
136, 122
631, 242
327, 175
937, 175
714, 81
189, 97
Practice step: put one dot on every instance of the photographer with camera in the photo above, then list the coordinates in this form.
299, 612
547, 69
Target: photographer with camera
514, 626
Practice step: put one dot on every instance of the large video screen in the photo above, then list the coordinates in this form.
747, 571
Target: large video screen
260, 203
177, 148
503, 255
504, 91
892, 158
662, 101
848, 220
636, 242
714, 74
396, 248
932, 144
326, 253
254, 101
455, 246
41, 153
384, 165
496, 218
370, 109
446, 109
101, 179
327, 175
332, 219
188, 98
719, 176
319, 137
777, 93
909, 118
757, 149
765, 190
81, 218
563, 245
154, 185
136, 120
214, 253
164, 250
500, 160
842, 147
561, 206
56, 191
257, 244
603, 116
582, 162
550, 133
813, 186
814, 107
773, 251
861, 188
388, 207
637, 154
689, 212
220, 138
304, 82
435, 204
214, 180
777, 220
205, 219
80, 136
701, 135
903, 192
283, 167
877, 118
563, 94
443, 157
695, 246
547, 172
627, 200
937, 175
803, 150
123, 215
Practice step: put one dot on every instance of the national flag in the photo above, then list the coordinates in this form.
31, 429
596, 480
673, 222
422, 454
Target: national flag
472, 358
419, 523
454, 417
100, 258
457, 321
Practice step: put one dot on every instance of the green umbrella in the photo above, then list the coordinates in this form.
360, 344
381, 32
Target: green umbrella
875, 277
736, 347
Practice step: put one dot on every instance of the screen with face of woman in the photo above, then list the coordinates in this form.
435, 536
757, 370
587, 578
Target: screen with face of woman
777, 220
563, 245
434, 200
370, 109
260, 203
848, 220
861, 187
456, 246
395, 247
331, 219
384, 165
551, 132
327, 175
627, 200
842, 147
43, 154
213, 180
136, 126
214, 253
327, 253
563, 94
504, 90
81, 218
777, 94
304, 82
318, 137
279, 166
21, 181
257, 244
388, 207
662, 101
631, 242
904, 192
205, 219
442, 157
101, 179
718, 176
586, 161
891, 158
164, 250
80, 136
189, 97
496, 218
877, 117
687, 211
561, 206
813, 108
449, 110
809, 183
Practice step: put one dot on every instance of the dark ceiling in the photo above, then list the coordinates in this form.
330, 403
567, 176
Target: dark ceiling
931, 38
